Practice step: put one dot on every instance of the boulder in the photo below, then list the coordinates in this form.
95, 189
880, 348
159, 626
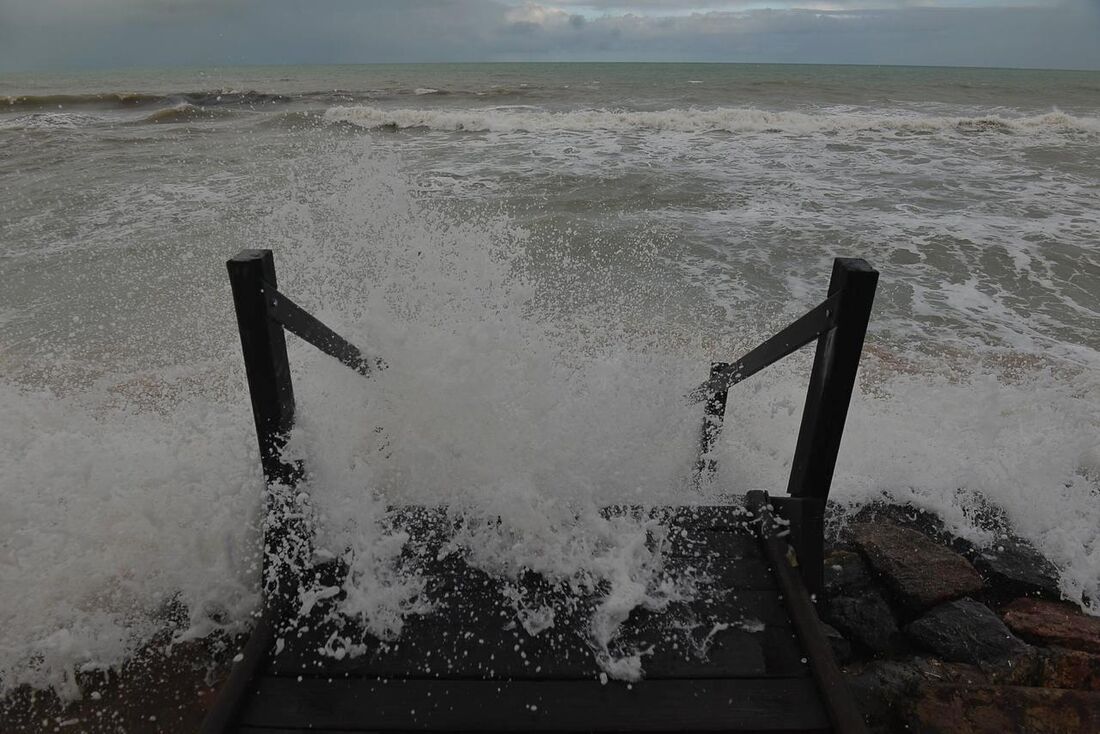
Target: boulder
846, 573
950, 709
880, 688
966, 631
1053, 623
866, 620
1061, 668
1012, 567
884, 689
919, 571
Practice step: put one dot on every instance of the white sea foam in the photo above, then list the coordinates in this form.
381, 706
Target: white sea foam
728, 119
111, 515
50, 121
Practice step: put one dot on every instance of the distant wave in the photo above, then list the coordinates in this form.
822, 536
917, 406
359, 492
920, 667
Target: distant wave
495, 119
230, 98
115, 99
127, 100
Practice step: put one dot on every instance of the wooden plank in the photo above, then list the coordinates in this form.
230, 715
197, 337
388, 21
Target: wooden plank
307, 327
541, 706
480, 635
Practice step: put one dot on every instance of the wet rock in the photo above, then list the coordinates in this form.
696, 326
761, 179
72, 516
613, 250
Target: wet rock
920, 572
950, 709
842, 649
879, 513
866, 620
965, 631
1012, 568
881, 688
846, 573
1061, 668
1053, 623
884, 689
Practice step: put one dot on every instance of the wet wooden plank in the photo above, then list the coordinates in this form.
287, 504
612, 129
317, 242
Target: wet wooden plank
787, 705
484, 625
476, 634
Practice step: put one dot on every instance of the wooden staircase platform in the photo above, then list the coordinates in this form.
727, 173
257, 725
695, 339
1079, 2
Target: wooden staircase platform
730, 658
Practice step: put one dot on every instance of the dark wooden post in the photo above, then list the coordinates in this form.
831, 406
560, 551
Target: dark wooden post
263, 342
832, 380
827, 398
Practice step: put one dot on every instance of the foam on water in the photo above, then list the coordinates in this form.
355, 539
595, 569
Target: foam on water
114, 519
724, 119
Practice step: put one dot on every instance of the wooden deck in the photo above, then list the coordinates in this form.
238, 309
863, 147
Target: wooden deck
730, 659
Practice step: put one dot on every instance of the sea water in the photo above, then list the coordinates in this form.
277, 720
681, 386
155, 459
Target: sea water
548, 257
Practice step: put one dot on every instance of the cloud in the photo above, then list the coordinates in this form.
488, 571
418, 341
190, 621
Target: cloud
104, 33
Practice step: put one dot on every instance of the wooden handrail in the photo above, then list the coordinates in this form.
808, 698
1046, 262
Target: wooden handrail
839, 323
307, 327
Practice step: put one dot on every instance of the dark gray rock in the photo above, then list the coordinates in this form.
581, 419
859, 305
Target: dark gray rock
966, 631
846, 574
866, 620
881, 689
1012, 568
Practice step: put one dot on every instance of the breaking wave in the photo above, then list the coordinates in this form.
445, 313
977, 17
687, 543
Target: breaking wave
235, 98
725, 119
127, 100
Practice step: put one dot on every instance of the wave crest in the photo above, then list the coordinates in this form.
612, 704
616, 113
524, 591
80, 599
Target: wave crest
723, 119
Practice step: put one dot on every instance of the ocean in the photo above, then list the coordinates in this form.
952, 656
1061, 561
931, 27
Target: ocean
548, 256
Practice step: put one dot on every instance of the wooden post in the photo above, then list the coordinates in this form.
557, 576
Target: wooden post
263, 342
831, 383
832, 380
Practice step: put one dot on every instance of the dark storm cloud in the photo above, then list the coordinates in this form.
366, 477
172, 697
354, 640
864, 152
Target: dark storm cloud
98, 33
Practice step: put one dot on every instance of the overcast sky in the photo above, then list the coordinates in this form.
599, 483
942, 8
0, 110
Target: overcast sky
67, 34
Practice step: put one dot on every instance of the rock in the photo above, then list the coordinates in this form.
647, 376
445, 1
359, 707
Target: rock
845, 572
884, 689
951, 709
866, 620
966, 631
1060, 668
842, 649
1012, 567
1053, 623
880, 689
920, 572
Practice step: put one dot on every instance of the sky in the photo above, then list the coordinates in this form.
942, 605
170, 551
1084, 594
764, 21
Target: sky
77, 34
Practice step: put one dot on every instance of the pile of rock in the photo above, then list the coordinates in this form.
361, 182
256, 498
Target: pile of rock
937, 635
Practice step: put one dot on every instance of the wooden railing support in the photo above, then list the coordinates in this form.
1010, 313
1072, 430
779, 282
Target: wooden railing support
832, 380
839, 323
263, 344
